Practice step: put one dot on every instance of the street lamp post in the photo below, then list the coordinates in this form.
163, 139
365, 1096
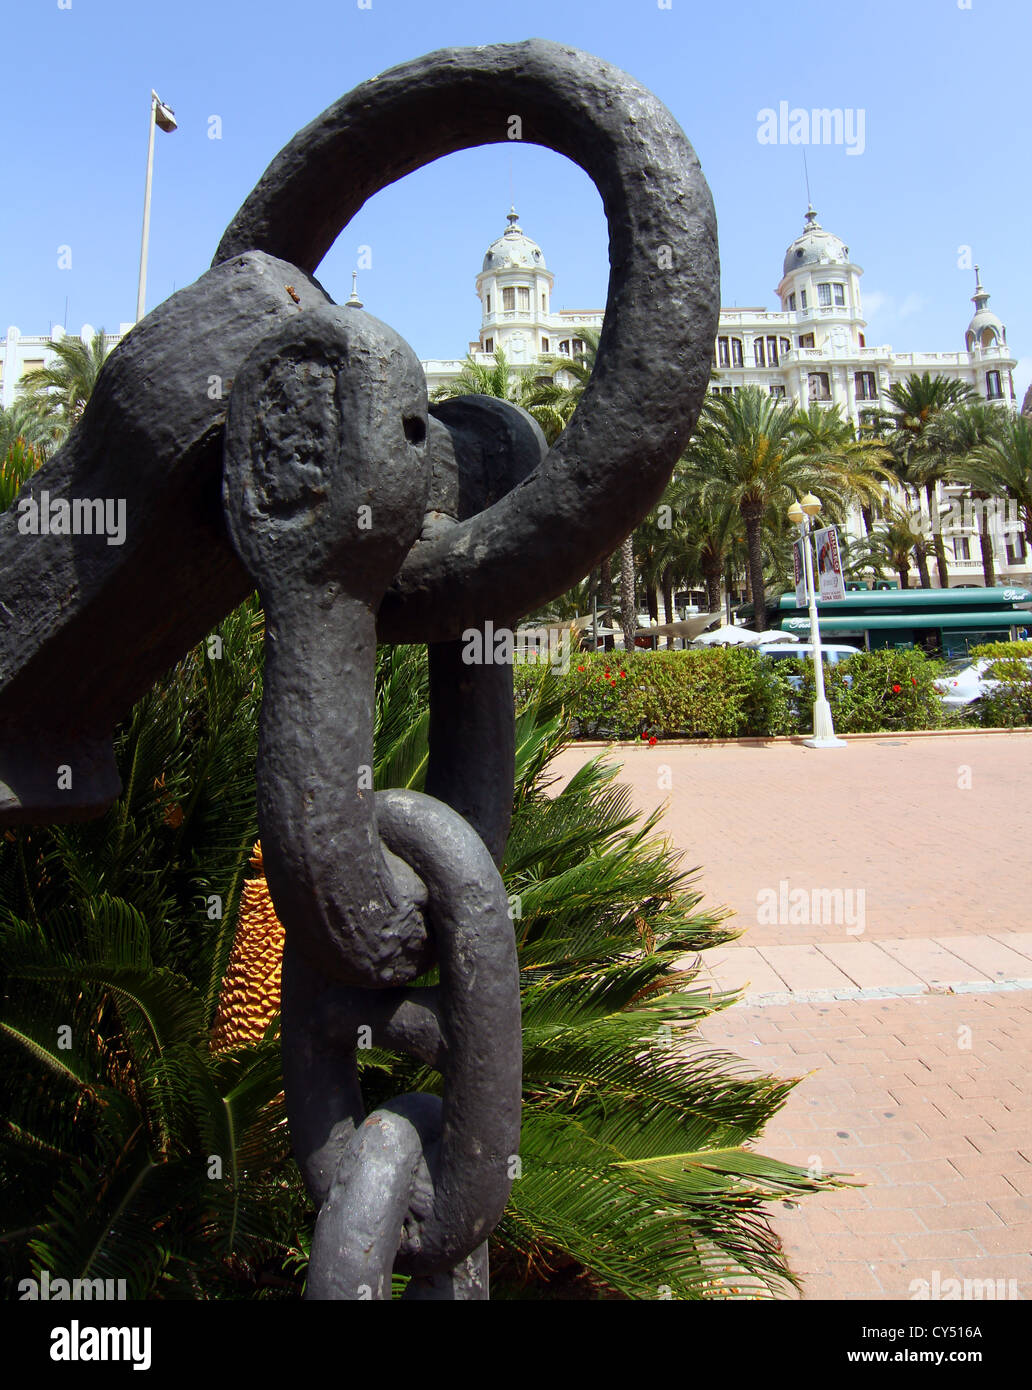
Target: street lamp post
800, 514
163, 116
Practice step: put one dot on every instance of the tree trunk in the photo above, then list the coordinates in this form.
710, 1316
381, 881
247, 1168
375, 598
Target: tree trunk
668, 601
938, 543
628, 607
754, 544
904, 576
605, 597
985, 541
921, 557
711, 574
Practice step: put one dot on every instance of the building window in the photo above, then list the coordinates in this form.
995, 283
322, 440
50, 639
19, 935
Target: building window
578, 347
35, 364
866, 386
544, 303
523, 294
488, 303
820, 389
863, 341
791, 303
778, 392
772, 352
508, 300
786, 345
802, 299
961, 548
737, 359
1015, 548
758, 355
544, 344
489, 345
564, 346
992, 386
805, 340
723, 353
840, 294
824, 296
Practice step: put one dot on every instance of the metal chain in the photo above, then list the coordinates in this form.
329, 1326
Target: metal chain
326, 418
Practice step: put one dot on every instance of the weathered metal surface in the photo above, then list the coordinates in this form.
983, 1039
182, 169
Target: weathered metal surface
152, 432
358, 512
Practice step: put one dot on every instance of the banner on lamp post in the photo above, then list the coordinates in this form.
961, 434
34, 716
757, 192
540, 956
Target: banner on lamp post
800, 572
830, 584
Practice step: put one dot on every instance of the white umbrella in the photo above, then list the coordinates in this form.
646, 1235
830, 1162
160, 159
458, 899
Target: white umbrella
760, 639
725, 637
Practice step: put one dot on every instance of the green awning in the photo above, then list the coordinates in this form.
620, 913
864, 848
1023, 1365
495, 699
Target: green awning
863, 622
1004, 596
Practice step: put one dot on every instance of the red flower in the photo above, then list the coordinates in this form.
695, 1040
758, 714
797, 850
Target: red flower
652, 742
644, 734
913, 680
580, 668
896, 689
607, 673
623, 674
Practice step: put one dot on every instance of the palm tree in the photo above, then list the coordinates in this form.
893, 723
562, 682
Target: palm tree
1002, 466
747, 455
57, 395
499, 379
892, 541
916, 401
957, 435
861, 467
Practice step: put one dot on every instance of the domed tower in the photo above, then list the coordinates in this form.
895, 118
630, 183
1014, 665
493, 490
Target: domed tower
985, 330
820, 285
515, 292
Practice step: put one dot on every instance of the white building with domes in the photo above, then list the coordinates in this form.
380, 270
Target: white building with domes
813, 348
516, 316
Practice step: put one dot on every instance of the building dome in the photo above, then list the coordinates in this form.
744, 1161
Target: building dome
514, 250
815, 246
986, 328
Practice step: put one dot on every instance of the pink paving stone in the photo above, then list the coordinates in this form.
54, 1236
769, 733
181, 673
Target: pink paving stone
991, 957
1016, 941
929, 961
868, 965
804, 967
853, 800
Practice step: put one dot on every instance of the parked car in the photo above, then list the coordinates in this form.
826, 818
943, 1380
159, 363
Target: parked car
966, 682
832, 654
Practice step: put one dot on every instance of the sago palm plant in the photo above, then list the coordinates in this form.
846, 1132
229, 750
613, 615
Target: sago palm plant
139, 1142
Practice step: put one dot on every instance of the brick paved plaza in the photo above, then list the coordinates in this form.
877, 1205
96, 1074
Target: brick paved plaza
887, 952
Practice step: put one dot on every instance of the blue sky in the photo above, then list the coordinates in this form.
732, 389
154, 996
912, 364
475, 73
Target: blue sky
942, 84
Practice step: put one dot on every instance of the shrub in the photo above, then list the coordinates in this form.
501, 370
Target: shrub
718, 693
1009, 706
1005, 649
875, 691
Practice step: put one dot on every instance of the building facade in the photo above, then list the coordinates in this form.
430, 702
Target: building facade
813, 348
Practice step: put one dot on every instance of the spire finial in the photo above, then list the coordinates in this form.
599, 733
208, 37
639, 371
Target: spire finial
353, 301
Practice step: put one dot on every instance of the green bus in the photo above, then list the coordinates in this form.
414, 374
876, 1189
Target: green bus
946, 622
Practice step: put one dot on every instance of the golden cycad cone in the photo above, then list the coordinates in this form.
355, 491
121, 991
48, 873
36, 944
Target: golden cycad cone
250, 994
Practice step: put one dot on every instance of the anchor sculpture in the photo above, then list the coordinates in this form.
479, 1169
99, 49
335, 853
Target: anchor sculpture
261, 436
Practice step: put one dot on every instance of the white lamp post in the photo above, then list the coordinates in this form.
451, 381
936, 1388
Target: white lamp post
800, 514
163, 116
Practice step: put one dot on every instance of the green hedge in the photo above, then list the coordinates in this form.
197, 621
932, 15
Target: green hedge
735, 693
875, 691
721, 693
